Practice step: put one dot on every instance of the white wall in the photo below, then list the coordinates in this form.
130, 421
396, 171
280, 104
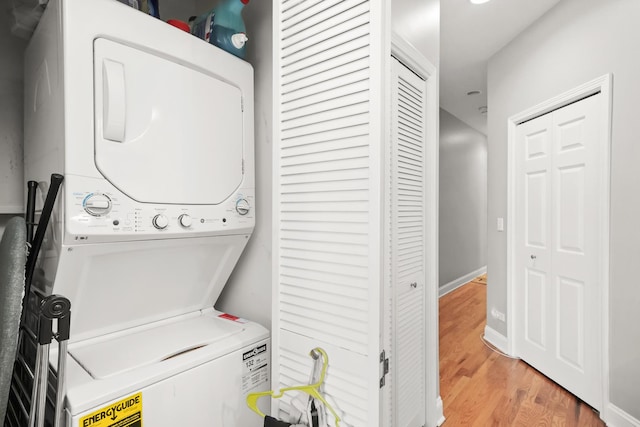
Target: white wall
463, 199
575, 42
418, 22
248, 292
12, 49
177, 9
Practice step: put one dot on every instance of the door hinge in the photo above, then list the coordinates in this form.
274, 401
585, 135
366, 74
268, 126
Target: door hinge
242, 166
384, 368
242, 104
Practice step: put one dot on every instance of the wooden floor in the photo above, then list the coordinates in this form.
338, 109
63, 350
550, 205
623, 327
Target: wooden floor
482, 388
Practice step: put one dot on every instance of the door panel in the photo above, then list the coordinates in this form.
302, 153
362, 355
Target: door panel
536, 208
570, 325
557, 310
570, 133
141, 123
534, 234
535, 308
570, 222
537, 144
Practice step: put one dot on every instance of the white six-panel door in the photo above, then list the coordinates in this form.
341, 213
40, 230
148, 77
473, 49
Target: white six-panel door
557, 292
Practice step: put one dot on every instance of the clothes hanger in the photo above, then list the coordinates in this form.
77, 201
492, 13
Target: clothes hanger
312, 390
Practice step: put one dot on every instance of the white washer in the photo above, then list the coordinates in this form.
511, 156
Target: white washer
195, 370
152, 129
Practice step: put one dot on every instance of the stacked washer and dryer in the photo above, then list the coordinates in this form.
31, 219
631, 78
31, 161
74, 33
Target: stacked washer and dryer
153, 131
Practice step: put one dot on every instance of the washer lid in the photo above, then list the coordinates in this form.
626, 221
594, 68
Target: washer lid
125, 353
165, 132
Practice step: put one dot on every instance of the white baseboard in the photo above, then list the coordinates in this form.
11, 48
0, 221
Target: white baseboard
440, 413
616, 417
455, 284
496, 339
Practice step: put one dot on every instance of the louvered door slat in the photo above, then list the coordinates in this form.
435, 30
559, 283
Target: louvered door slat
330, 103
409, 112
409, 163
410, 128
323, 154
348, 105
353, 162
330, 186
352, 287
322, 293
326, 39
325, 31
349, 136
407, 104
333, 68
313, 84
327, 59
415, 96
409, 148
333, 124
310, 13
357, 84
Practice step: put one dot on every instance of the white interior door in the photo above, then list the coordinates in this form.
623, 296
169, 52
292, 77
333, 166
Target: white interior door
407, 248
557, 291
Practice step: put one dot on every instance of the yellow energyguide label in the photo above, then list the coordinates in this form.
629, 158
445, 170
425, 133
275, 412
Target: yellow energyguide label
123, 413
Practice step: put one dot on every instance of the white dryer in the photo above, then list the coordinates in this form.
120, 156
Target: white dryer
152, 129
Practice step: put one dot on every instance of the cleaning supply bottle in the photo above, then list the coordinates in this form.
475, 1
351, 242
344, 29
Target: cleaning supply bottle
201, 26
228, 31
150, 7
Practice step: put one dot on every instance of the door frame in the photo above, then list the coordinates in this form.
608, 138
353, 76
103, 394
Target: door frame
601, 85
413, 59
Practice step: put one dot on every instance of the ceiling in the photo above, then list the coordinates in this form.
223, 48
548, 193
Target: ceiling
469, 35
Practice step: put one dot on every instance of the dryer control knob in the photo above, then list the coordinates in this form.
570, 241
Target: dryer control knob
160, 222
242, 206
185, 220
97, 204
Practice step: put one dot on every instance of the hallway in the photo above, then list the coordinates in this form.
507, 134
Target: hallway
482, 388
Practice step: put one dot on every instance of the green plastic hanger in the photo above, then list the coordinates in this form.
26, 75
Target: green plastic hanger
312, 390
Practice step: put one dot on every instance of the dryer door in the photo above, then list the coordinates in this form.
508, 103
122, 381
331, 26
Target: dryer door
165, 132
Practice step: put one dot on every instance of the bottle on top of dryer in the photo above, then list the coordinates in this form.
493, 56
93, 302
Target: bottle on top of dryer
224, 27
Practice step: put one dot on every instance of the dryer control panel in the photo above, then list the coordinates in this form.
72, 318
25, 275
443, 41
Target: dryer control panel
95, 211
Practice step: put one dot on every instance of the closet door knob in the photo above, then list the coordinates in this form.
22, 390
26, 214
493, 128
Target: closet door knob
533, 257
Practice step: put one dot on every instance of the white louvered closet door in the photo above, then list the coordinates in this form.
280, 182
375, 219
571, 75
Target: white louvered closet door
327, 210
407, 247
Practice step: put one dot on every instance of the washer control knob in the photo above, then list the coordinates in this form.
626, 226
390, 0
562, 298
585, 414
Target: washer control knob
242, 206
185, 220
160, 222
97, 204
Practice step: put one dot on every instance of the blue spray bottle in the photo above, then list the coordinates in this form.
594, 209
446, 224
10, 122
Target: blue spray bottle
228, 31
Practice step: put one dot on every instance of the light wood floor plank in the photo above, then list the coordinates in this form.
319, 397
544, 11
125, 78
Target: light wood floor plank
482, 388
